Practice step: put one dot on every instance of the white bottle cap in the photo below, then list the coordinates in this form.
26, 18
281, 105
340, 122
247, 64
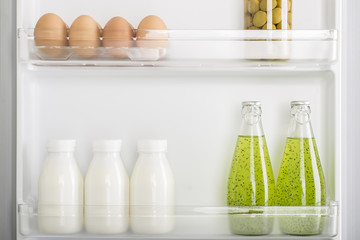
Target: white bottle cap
107, 146
61, 145
152, 145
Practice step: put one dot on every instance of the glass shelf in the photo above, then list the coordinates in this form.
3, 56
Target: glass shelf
200, 222
194, 48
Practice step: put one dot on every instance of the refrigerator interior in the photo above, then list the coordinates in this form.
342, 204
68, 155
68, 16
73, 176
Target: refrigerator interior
193, 102
214, 37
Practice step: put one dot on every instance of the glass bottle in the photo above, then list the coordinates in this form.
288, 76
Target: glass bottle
301, 179
268, 14
251, 181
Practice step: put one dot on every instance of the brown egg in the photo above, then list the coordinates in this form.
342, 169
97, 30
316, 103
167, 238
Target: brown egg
118, 36
50, 36
84, 36
145, 37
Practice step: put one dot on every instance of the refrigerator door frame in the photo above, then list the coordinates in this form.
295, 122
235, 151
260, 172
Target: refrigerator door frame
350, 165
350, 169
7, 119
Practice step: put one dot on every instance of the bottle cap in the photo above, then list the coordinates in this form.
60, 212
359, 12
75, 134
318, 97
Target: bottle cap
107, 146
296, 103
152, 145
254, 109
251, 103
61, 145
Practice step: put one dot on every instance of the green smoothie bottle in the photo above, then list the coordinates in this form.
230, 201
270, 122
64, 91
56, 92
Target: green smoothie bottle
251, 181
301, 179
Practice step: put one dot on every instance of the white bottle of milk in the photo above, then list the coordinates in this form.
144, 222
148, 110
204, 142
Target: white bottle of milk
60, 206
152, 190
106, 190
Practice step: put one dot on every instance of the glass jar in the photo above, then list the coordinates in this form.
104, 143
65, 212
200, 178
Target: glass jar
268, 14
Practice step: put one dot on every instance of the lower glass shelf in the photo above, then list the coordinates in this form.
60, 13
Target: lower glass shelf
199, 222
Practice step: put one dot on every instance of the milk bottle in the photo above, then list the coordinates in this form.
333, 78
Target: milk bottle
60, 206
106, 190
152, 190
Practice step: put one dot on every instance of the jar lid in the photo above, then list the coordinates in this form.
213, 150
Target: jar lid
107, 145
251, 103
152, 145
61, 145
296, 103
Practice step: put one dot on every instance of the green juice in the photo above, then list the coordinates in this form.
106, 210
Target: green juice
301, 182
251, 183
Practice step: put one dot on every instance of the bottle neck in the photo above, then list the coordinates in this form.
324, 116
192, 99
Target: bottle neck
60, 157
251, 124
107, 154
300, 123
106, 157
251, 129
300, 130
65, 155
155, 156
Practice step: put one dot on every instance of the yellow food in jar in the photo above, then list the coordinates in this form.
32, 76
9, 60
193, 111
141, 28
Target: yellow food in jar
279, 26
253, 6
289, 18
248, 21
256, 14
260, 19
265, 27
280, 4
276, 15
264, 3
289, 5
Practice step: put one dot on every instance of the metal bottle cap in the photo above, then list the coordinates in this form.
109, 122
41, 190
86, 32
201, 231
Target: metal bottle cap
251, 103
297, 103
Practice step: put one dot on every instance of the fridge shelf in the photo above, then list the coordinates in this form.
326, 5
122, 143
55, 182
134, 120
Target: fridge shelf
194, 48
199, 222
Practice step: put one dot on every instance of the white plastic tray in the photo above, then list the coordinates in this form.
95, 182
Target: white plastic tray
196, 48
198, 222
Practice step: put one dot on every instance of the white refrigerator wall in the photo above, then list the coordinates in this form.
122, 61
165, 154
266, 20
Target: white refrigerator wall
199, 113
185, 14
